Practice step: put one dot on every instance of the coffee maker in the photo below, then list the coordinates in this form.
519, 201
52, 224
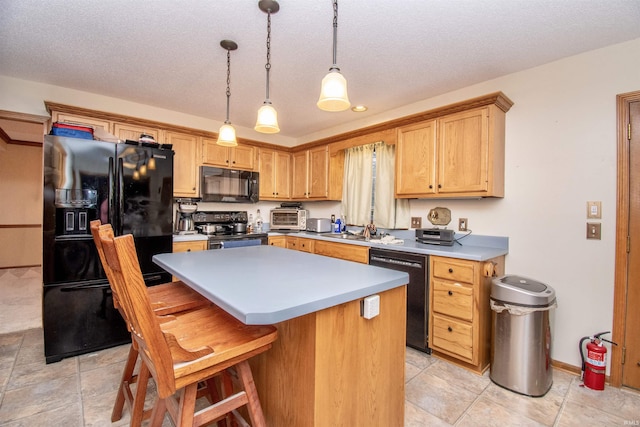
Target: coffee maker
184, 217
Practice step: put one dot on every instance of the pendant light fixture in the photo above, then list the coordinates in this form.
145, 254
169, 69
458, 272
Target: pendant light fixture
227, 134
333, 94
267, 115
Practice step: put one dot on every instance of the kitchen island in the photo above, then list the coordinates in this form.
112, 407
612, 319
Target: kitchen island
330, 365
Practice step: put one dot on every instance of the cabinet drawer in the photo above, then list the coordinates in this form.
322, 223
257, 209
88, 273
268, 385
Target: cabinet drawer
451, 269
453, 336
188, 246
453, 299
343, 251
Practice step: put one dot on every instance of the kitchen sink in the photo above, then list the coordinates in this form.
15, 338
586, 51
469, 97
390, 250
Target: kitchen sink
346, 236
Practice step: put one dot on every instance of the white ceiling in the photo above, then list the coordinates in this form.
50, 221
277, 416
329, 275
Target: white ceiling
166, 53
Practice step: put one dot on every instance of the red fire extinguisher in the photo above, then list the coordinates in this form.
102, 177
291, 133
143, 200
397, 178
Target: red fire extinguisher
594, 365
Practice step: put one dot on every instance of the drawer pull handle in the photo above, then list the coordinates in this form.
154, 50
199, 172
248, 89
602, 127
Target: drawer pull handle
451, 270
450, 293
449, 329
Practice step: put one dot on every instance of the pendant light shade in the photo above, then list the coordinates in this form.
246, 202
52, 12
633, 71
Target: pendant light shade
333, 93
267, 119
227, 134
267, 115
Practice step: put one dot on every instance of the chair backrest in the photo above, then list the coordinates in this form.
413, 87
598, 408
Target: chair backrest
120, 255
95, 226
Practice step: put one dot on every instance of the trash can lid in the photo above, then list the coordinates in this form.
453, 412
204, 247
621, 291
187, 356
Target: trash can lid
519, 290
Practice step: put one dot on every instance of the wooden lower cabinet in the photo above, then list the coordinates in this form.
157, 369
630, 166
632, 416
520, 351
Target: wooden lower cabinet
190, 246
345, 251
280, 241
336, 368
459, 313
300, 244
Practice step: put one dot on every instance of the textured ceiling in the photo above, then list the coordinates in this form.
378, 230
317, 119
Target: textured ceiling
166, 53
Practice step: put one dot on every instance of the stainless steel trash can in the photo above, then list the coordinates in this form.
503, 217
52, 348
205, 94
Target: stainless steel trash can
521, 334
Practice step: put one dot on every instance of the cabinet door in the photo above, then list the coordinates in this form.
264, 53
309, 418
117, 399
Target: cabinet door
299, 175
82, 120
126, 131
318, 173
214, 154
283, 175
185, 171
280, 241
342, 250
463, 158
241, 157
267, 171
415, 160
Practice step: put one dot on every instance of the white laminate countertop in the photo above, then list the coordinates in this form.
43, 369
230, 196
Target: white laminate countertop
266, 284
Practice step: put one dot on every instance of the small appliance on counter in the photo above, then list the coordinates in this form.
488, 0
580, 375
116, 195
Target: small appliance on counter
288, 217
319, 225
184, 217
435, 236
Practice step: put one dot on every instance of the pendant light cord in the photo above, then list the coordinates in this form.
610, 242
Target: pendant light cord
335, 35
228, 83
268, 64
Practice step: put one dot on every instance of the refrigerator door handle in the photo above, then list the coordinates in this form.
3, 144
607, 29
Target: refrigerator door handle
111, 214
120, 225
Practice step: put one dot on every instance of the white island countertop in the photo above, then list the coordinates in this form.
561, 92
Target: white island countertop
266, 284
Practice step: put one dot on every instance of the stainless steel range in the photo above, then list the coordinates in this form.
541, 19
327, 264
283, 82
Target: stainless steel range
227, 229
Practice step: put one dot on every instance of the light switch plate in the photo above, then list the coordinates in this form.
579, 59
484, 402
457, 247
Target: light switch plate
593, 230
594, 210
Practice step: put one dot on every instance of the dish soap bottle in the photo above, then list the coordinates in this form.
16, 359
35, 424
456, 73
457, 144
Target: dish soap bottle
258, 222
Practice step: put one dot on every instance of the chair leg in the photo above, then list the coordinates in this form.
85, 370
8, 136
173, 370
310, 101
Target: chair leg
187, 405
246, 379
137, 406
127, 378
157, 415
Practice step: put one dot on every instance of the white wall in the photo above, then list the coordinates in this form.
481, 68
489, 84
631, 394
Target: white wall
560, 153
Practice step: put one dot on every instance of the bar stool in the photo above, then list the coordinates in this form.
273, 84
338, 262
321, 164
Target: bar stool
167, 298
188, 348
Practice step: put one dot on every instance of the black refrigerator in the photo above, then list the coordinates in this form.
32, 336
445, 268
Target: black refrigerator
127, 185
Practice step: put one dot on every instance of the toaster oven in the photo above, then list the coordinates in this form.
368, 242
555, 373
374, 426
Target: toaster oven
288, 219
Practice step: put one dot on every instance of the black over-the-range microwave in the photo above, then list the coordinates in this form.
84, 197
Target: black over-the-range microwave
228, 185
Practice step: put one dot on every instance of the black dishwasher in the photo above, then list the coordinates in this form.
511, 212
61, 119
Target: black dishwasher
417, 291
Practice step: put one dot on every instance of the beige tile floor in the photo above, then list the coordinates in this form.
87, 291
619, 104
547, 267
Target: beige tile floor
80, 391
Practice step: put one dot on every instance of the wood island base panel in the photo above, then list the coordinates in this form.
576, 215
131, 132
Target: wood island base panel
336, 368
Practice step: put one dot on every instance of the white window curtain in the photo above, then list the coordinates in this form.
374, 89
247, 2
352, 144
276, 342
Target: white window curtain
358, 189
388, 212
358, 185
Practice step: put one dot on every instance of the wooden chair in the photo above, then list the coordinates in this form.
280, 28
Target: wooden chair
167, 298
187, 349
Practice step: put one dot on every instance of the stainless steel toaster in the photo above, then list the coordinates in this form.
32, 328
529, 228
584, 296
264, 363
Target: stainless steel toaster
319, 225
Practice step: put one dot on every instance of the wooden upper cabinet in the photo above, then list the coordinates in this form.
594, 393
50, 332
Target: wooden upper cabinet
457, 155
239, 157
124, 131
415, 160
275, 174
311, 173
185, 168
106, 125
463, 161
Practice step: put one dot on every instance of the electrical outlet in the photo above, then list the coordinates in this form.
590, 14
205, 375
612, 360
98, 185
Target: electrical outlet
416, 222
463, 224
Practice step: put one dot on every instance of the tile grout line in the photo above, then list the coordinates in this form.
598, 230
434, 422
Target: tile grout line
79, 388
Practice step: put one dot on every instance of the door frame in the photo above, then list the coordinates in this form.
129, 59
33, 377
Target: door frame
622, 231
